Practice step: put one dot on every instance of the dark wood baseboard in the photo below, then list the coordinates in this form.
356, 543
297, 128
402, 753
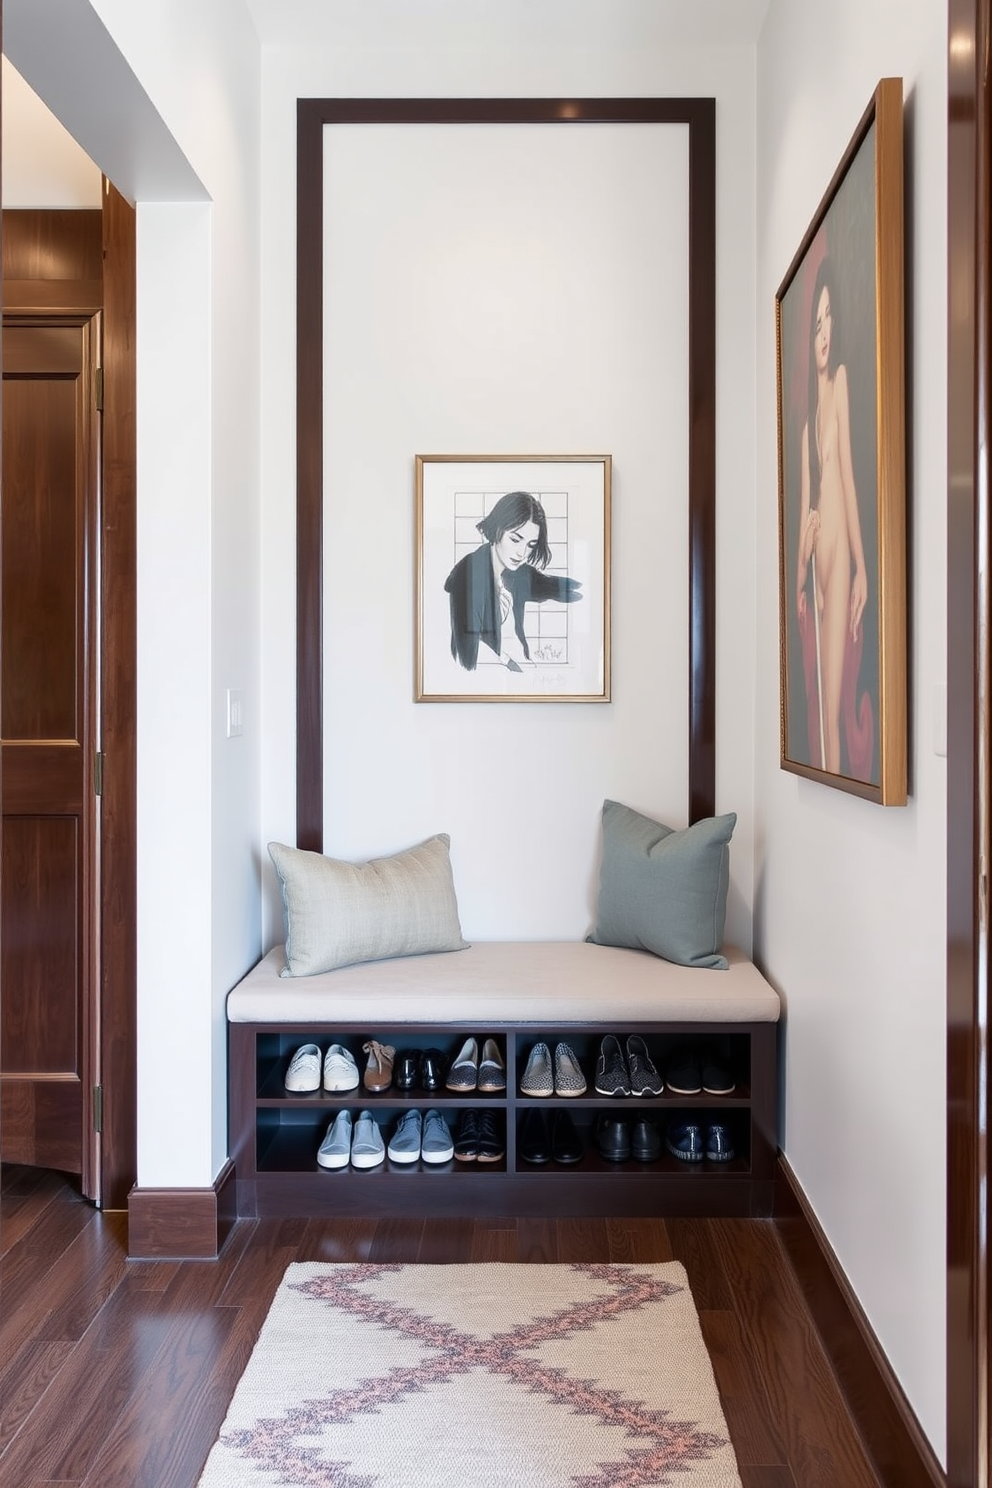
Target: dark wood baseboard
895, 1442
181, 1224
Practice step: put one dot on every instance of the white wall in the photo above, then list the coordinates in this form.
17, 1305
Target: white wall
631, 748
198, 878
849, 921
167, 101
42, 164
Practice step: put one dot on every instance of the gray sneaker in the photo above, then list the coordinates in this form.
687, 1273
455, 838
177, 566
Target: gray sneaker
404, 1145
437, 1146
367, 1146
335, 1149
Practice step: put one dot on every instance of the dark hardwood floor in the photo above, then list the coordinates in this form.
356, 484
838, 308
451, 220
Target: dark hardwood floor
118, 1373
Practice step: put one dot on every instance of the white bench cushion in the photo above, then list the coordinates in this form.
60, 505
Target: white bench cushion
509, 982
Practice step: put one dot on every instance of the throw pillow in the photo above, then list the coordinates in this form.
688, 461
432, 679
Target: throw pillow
663, 890
338, 913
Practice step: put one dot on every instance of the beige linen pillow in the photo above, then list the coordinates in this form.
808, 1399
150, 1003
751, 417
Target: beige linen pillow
338, 913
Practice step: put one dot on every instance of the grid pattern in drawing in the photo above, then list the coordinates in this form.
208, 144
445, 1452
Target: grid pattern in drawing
545, 624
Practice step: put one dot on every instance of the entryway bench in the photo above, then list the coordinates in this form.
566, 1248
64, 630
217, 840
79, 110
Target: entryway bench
518, 992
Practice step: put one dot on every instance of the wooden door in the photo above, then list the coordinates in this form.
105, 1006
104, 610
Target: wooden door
49, 584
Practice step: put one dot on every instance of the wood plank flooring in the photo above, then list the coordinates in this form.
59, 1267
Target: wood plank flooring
118, 1373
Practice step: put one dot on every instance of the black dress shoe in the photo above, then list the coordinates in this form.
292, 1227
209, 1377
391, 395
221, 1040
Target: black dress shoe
535, 1140
645, 1140
406, 1069
566, 1144
433, 1065
467, 1136
491, 1145
613, 1138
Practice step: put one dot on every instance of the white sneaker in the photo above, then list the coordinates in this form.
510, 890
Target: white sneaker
335, 1149
304, 1069
340, 1069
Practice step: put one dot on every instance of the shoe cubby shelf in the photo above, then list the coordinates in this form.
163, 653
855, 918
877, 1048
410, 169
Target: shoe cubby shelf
275, 1133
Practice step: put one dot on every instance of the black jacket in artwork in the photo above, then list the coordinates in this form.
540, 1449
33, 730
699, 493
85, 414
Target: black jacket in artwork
475, 617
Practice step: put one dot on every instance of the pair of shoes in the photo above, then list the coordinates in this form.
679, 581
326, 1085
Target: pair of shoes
540, 1143
428, 1137
477, 1138
468, 1073
379, 1068
684, 1140
617, 1140
690, 1071
633, 1075
304, 1073
423, 1068
542, 1077
361, 1144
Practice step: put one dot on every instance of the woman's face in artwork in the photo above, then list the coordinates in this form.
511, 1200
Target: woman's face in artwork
822, 331
517, 545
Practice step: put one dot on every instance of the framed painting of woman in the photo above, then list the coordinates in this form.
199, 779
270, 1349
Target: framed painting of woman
841, 464
513, 578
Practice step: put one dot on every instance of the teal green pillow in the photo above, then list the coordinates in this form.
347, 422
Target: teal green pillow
663, 890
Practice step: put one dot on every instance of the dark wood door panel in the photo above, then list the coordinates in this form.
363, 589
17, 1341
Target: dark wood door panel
50, 514
40, 946
41, 1120
43, 551
40, 778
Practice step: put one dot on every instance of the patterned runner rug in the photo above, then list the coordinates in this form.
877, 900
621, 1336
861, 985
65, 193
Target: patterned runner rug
486, 1376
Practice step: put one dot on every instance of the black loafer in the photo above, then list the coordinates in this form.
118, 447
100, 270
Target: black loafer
613, 1138
406, 1069
433, 1065
566, 1144
645, 1140
535, 1140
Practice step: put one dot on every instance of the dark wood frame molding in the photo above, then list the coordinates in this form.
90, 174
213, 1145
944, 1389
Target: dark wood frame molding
313, 114
968, 741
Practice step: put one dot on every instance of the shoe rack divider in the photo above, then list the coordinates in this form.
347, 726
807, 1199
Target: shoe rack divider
275, 1134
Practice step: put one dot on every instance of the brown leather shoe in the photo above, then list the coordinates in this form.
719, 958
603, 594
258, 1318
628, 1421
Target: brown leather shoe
379, 1069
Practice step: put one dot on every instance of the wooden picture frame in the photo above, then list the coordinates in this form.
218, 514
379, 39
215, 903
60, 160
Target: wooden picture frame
512, 579
842, 474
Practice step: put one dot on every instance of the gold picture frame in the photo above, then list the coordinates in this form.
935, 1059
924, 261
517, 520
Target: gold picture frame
839, 340
512, 583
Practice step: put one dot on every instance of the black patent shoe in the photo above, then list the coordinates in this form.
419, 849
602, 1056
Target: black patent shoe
566, 1144
535, 1139
406, 1069
645, 1140
613, 1138
433, 1065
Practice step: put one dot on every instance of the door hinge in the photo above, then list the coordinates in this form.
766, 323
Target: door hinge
98, 774
98, 1108
98, 389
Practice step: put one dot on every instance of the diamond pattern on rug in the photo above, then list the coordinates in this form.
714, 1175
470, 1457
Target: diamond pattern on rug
501, 1376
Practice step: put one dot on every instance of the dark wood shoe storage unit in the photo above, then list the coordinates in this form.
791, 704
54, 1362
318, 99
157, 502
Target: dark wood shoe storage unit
275, 1134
